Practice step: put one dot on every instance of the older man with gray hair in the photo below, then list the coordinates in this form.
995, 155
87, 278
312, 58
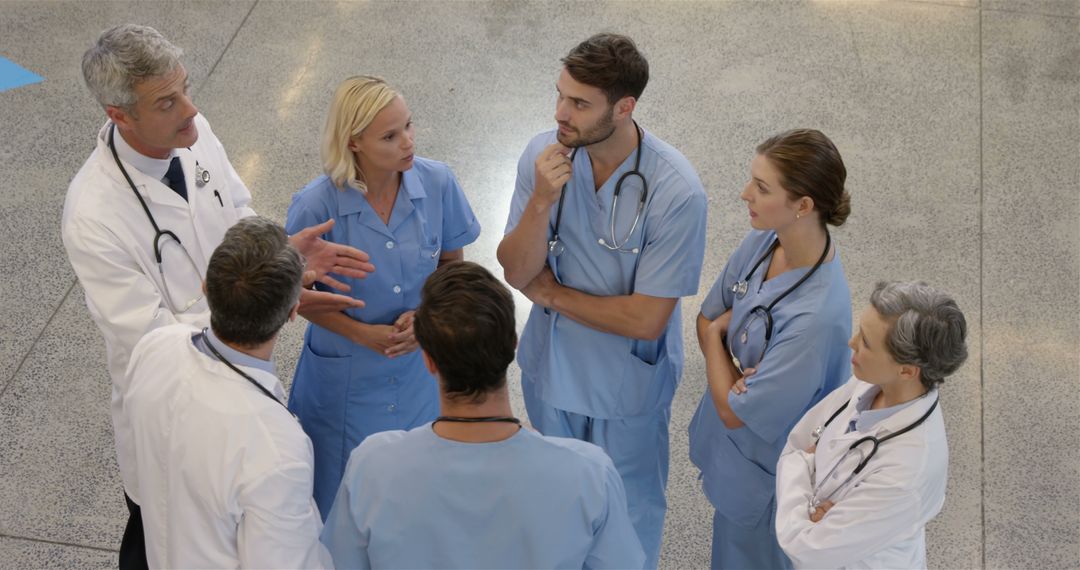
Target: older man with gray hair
866, 468
146, 210
224, 471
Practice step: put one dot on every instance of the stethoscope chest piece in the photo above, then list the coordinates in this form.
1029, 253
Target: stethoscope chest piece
739, 289
202, 175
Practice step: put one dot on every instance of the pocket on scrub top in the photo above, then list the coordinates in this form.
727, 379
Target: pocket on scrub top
429, 255
645, 386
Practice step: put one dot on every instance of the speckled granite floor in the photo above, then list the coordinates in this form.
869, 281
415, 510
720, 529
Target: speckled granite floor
958, 122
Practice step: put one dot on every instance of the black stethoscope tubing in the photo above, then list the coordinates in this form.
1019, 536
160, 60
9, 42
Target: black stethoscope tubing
769, 308
618, 185
158, 232
874, 440
244, 375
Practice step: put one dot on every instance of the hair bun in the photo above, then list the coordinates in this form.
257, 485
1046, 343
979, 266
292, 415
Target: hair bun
842, 210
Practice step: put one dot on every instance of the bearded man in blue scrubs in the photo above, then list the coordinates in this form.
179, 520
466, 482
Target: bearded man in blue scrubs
606, 233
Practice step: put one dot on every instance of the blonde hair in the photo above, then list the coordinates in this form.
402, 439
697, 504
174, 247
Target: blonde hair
356, 103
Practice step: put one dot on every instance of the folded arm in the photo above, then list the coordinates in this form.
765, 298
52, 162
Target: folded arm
636, 315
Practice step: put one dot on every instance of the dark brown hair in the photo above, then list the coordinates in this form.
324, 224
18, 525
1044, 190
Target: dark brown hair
610, 62
810, 165
465, 323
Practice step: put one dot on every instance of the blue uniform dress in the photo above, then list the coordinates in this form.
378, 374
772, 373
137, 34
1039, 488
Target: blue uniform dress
603, 388
344, 392
807, 358
416, 500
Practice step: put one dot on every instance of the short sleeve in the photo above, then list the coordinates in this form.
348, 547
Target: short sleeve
459, 227
788, 377
615, 542
671, 258
720, 297
305, 211
523, 186
341, 535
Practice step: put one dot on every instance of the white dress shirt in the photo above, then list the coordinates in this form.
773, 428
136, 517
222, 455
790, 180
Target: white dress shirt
225, 472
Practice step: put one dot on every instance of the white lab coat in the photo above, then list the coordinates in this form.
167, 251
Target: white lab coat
878, 521
109, 241
225, 472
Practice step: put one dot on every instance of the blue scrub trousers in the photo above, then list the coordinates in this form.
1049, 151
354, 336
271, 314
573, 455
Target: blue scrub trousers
737, 547
639, 448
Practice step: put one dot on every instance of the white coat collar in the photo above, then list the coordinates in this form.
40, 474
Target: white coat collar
900, 419
213, 366
149, 187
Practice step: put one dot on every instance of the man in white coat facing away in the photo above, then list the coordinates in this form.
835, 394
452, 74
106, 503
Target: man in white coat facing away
225, 472
865, 469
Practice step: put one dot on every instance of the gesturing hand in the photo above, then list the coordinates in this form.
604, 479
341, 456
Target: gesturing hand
325, 257
312, 301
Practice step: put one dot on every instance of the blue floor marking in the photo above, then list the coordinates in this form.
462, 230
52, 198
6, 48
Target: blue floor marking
12, 76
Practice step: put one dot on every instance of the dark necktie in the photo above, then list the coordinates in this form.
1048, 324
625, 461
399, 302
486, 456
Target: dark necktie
175, 178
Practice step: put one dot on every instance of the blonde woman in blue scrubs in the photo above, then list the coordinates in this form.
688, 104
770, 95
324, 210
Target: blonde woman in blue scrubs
783, 308
360, 372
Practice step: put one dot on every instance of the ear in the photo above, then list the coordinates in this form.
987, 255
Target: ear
204, 287
429, 363
910, 373
625, 107
295, 311
119, 116
804, 206
354, 145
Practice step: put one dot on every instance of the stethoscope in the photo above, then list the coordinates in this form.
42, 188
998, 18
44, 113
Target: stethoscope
556, 246
202, 177
244, 375
815, 501
740, 288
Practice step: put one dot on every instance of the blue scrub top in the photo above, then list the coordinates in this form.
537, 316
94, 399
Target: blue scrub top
342, 392
415, 500
576, 368
807, 358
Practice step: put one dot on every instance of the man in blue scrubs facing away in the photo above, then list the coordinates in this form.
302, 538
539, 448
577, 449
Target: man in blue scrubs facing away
606, 233
473, 489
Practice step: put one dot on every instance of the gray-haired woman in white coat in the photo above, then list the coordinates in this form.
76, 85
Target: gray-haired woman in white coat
865, 469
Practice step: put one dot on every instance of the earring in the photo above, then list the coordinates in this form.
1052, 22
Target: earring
797, 216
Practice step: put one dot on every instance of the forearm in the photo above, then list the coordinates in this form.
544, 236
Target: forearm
338, 323
622, 315
721, 375
523, 252
451, 256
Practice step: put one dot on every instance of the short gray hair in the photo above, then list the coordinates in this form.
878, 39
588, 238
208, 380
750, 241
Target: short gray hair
123, 56
253, 281
929, 329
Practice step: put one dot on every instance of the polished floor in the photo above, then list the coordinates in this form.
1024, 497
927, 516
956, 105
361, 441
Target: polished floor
959, 121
